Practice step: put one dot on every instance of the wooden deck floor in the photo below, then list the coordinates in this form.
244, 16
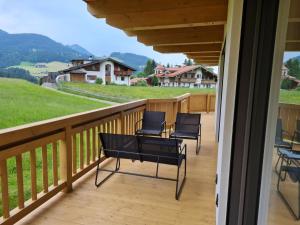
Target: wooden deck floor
125, 199
131, 200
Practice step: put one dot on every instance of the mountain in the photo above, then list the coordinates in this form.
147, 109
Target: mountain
136, 61
80, 49
15, 48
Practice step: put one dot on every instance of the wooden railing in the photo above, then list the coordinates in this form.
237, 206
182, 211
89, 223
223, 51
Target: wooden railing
49, 156
202, 103
289, 113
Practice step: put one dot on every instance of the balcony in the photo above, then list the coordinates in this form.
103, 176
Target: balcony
70, 196
122, 73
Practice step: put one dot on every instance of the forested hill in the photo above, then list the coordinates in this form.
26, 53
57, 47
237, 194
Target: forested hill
16, 48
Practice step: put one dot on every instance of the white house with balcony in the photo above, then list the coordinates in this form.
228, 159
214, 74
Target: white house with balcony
186, 76
110, 70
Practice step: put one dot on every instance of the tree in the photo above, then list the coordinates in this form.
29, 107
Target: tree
294, 67
287, 84
150, 66
154, 81
188, 62
141, 74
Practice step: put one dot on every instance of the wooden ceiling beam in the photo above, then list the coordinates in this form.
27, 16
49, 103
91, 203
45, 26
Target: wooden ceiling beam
188, 48
103, 8
292, 46
205, 57
200, 54
192, 35
175, 18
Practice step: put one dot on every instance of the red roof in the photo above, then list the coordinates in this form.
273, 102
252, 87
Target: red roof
175, 71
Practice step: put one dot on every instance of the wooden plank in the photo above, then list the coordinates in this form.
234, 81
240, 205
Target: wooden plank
95, 144
176, 18
188, 48
33, 174
20, 182
54, 164
74, 155
88, 148
4, 189
45, 168
81, 151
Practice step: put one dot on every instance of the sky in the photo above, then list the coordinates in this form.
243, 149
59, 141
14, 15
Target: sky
69, 22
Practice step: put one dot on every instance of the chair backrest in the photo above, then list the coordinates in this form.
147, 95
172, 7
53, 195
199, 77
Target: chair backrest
118, 142
153, 120
187, 122
278, 136
157, 146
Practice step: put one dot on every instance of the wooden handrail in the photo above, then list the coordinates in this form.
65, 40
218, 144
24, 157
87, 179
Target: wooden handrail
70, 143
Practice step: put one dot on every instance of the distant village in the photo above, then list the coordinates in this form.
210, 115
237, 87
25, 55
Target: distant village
109, 70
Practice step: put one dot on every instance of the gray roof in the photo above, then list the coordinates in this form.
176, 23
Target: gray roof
96, 61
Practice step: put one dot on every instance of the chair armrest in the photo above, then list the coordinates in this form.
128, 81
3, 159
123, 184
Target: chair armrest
135, 125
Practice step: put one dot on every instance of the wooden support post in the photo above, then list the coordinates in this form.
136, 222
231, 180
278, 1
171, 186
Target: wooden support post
65, 147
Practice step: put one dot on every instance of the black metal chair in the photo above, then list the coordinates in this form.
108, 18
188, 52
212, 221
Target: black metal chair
188, 126
292, 169
284, 146
153, 124
143, 148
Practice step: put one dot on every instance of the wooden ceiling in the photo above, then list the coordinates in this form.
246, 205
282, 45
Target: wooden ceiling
192, 27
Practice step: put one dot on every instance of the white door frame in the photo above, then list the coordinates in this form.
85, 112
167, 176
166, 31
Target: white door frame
280, 40
233, 34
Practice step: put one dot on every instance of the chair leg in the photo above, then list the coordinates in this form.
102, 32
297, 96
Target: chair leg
297, 217
179, 188
276, 165
117, 168
198, 145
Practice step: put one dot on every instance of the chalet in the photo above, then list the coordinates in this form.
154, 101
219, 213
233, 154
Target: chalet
186, 76
110, 70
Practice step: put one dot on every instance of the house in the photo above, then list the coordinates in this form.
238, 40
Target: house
285, 71
186, 76
40, 65
109, 69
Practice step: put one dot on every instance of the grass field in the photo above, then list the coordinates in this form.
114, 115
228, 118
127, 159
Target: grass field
51, 67
124, 93
290, 97
23, 102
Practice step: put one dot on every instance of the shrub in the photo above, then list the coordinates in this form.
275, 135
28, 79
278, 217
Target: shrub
154, 81
142, 83
99, 81
287, 84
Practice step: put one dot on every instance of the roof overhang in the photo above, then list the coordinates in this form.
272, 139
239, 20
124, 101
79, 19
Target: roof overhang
195, 28
170, 26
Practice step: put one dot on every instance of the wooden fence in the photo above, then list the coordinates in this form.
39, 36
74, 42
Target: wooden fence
66, 148
289, 113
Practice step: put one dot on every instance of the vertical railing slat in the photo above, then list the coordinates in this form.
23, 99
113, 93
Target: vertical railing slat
81, 149
45, 168
4, 188
20, 182
33, 174
54, 163
74, 155
88, 144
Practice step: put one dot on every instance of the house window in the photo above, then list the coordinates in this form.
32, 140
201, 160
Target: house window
122, 78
